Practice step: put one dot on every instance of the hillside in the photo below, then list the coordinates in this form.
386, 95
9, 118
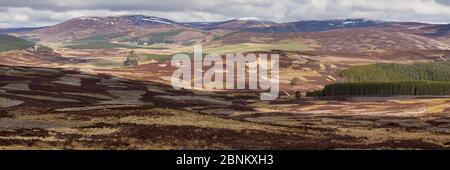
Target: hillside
8, 43
85, 27
318, 26
314, 52
386, 40
351, 39
45, 108
238, 24
148, 29
261, 25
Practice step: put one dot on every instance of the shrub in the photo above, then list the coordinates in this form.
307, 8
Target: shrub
132, 60
316, 93
295, 81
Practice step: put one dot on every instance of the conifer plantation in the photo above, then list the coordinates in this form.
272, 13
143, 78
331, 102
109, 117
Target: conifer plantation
392, 79
431, 71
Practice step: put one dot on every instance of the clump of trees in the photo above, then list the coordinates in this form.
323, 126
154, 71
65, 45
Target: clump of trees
132, 60
44, 49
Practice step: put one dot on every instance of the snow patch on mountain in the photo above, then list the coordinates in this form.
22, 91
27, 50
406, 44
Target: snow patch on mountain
146, 19
249, 19
157, 20
87, 18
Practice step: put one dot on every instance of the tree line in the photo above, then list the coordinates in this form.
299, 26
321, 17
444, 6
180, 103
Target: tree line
385, 89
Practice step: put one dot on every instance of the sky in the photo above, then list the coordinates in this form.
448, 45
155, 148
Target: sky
32, 13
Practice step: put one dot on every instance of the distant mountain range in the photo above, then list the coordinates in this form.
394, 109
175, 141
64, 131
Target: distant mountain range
16, 30
145, 30
242, 24
258, 25
235, 24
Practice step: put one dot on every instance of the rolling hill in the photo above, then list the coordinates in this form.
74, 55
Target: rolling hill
346, 35
353, 40
8, 43
86, 27
260, 25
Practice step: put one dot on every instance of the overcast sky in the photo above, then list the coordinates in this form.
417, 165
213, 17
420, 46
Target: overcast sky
26, 13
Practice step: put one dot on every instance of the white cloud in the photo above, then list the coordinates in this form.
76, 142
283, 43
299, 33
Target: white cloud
424, 7
20, 13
